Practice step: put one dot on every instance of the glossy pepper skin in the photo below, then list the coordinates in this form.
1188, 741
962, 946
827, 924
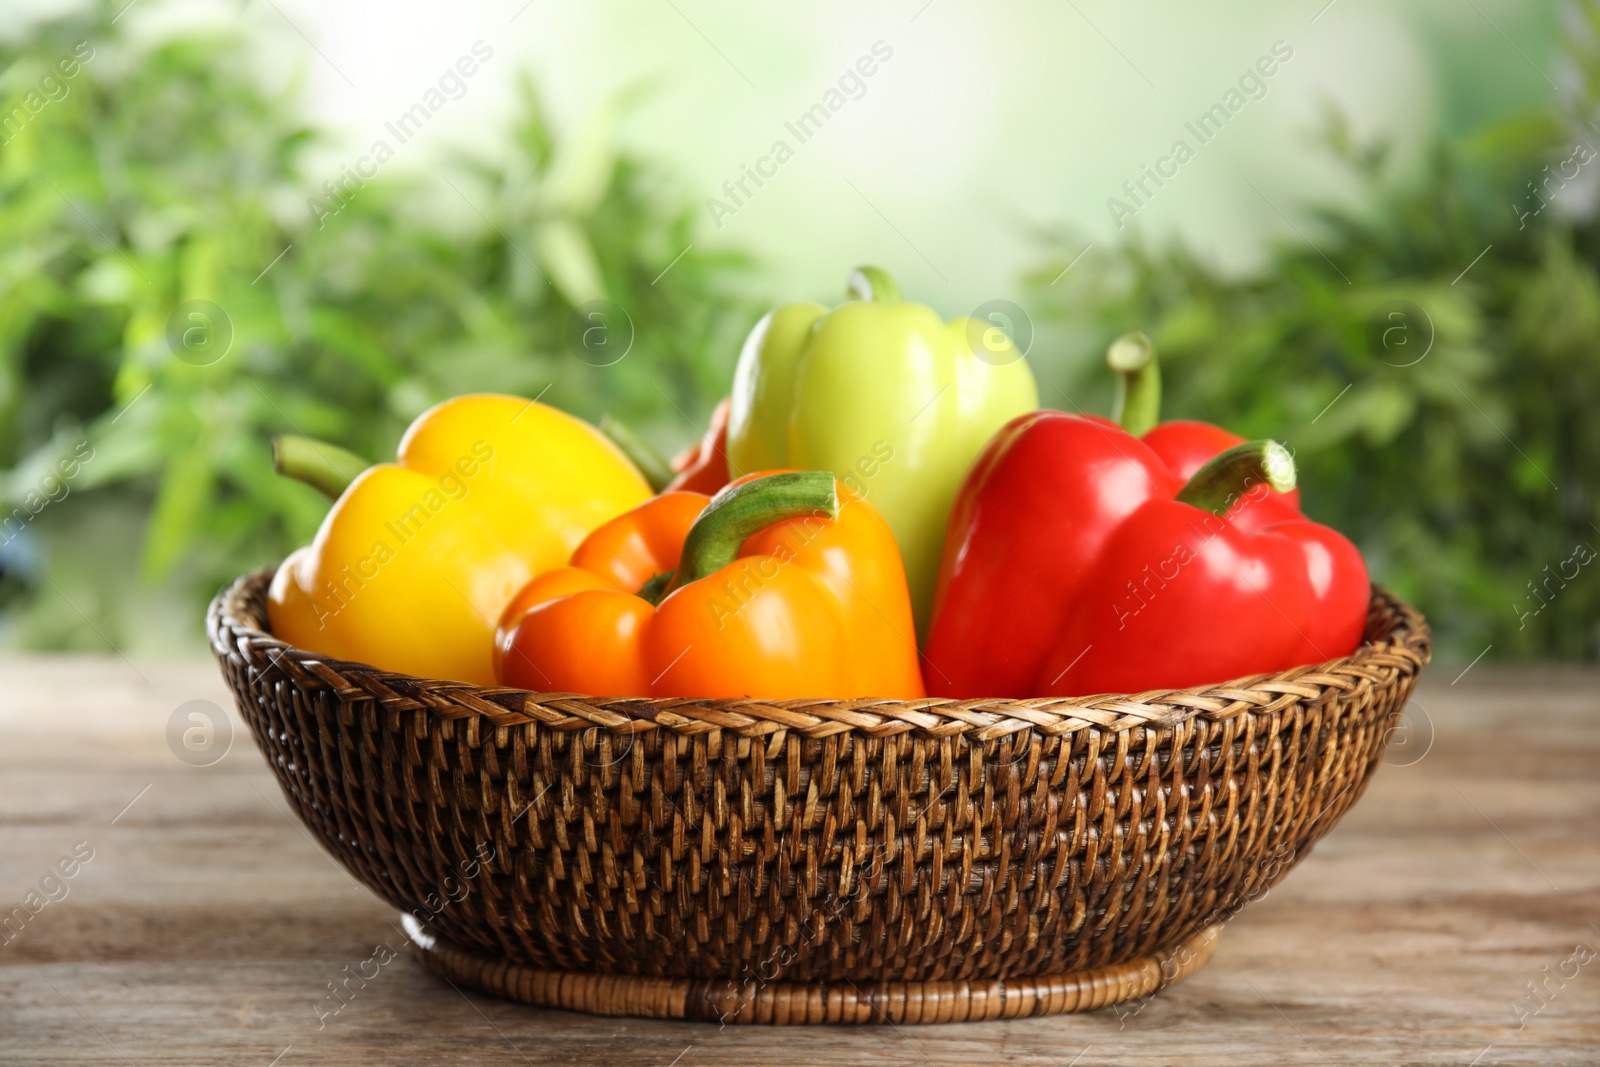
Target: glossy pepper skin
1041, 504
1259, 599
1072, 569
413, 565
1184, 445
799, 606
891, 398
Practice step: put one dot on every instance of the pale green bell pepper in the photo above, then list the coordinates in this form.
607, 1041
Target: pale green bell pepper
891, 398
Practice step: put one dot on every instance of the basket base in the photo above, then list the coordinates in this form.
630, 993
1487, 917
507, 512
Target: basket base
725, 1001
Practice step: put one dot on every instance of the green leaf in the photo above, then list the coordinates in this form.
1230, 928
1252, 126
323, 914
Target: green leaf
581, 171
180, 500
564, 250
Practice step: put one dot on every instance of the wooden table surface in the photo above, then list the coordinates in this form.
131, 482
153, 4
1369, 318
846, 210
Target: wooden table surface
202, 925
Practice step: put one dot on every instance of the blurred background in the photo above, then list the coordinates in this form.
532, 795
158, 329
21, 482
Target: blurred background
221, 221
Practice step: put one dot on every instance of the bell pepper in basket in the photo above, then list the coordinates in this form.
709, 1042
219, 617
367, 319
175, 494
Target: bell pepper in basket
782, 585
1078, 563
1184, 445
892, 399
413, 565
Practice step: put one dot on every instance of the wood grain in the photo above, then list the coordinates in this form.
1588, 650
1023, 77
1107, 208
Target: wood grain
207, 927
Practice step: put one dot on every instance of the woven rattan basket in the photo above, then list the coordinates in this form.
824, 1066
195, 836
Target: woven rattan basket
821, 860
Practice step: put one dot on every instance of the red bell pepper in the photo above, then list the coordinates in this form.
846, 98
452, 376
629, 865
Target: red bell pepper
1183, 445
703, 467
1044, 498
1077, 562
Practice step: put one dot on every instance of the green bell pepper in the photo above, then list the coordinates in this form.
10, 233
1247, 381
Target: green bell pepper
882, 392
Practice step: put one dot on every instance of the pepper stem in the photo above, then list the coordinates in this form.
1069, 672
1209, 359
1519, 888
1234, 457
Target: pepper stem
652, 464
656, 587
1229, 475
326, 468
1137, 407
741, 510
872, 283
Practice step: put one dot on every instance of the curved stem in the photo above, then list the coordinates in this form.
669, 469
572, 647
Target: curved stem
1137, 407
1229, 475
872, 283
744, 509
327, 468
656, 587
652, 464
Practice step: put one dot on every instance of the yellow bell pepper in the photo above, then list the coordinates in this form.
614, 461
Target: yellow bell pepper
417, 559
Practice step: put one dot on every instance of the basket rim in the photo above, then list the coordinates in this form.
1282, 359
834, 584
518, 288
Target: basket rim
1397, 643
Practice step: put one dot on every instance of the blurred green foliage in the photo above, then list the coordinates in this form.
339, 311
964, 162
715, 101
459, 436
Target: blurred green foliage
163, 176
1433, 358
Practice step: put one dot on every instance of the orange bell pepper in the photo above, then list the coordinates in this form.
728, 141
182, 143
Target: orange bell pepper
782, 585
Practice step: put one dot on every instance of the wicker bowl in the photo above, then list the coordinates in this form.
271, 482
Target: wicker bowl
816, 860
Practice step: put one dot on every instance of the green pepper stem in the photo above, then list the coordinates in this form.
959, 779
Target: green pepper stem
1137, 407
1229, 475
741, 510
327, 468
656, 587
872, 283
652, 464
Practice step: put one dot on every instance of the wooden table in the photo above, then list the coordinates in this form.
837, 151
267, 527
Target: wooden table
207, 927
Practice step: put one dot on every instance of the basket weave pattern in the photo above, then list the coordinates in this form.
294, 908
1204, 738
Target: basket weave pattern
816, 840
